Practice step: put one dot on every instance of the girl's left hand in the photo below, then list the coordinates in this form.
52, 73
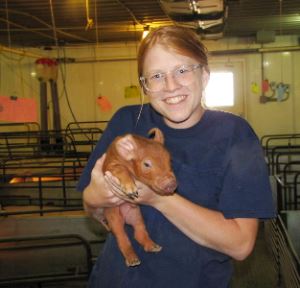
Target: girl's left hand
145, 195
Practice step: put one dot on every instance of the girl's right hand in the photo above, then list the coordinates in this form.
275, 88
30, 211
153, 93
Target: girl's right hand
98, 193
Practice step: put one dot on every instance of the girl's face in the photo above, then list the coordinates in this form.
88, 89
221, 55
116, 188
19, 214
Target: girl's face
180, 105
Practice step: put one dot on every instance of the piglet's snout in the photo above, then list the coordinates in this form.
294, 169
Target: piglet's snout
168, 185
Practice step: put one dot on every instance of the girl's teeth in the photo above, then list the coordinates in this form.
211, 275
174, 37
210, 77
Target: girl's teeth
174, 100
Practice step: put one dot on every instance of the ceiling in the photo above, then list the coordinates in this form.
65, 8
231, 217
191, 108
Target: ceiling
43, 23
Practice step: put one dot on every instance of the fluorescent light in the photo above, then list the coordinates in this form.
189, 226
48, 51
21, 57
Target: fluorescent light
146, 31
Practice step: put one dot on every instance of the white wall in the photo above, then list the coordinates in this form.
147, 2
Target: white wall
108, 69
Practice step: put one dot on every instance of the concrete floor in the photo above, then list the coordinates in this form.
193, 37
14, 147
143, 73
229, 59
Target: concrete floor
256, 271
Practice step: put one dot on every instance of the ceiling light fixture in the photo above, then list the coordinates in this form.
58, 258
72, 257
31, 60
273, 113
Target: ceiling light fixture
146, 31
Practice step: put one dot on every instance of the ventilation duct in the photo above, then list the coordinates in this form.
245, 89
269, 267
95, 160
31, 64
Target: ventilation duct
206, 16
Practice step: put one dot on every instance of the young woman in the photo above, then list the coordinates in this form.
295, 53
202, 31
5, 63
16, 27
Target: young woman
223, 186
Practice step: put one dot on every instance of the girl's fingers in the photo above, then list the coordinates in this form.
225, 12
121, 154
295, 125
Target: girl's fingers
112, 178
115, 186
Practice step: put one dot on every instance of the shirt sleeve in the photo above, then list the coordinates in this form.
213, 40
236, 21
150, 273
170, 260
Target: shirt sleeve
246, 191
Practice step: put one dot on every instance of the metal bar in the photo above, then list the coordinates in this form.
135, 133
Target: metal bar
39, 211
296, 196
55, 102
43, 106
40, 196
44, 278
55, 237
48, 277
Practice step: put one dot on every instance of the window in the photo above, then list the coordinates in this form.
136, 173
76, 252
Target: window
220, 90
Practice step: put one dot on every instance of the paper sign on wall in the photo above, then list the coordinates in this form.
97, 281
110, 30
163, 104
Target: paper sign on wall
254, 88
104, 104
132, 92
265, 85
14, 109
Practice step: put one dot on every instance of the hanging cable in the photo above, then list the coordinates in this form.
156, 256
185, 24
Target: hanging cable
18, 52
280, 17
21, 78
141, 90
65, 91
11, 11
10, 63
53, 23
25, 28
8, 26
97, 32
280, 32
63, 74
130, 12
89, 20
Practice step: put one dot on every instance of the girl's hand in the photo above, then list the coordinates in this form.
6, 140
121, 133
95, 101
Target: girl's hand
114, 185
98, 193
144, 195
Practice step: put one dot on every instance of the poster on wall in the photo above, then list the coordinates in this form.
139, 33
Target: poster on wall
132, 91
15, 109
104, 104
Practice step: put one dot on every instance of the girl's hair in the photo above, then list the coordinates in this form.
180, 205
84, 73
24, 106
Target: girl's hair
179, 39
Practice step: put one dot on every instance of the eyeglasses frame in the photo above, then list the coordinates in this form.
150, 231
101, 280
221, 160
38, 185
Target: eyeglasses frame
142, 78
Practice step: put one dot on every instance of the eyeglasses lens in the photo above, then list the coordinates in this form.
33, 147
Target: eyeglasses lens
157, 82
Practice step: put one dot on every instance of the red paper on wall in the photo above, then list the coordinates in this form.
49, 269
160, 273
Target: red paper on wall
265, 85
104, 103
14, 109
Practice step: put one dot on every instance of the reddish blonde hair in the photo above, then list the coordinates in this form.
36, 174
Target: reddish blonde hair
179, 39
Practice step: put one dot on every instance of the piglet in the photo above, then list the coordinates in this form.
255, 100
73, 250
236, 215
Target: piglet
131, 157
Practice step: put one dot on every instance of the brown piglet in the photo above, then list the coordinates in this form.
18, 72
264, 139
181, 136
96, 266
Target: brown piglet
131, 157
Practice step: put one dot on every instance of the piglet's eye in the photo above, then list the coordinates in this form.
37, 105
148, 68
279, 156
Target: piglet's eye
147, 164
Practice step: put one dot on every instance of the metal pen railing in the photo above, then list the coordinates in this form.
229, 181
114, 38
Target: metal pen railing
287, 183
285, 256
45, 242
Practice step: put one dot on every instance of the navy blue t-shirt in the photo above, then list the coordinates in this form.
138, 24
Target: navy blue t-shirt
218, 164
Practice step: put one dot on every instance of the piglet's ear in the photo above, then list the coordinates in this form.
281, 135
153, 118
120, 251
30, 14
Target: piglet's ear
158, 135
126, 147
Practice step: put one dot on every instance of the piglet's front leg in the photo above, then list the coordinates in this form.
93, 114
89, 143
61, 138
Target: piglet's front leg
126, 182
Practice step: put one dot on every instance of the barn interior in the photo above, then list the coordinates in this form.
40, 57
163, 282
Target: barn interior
67, 66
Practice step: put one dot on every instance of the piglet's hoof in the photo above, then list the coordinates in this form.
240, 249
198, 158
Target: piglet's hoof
133, 262
129, 190
153, 248
133, 195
